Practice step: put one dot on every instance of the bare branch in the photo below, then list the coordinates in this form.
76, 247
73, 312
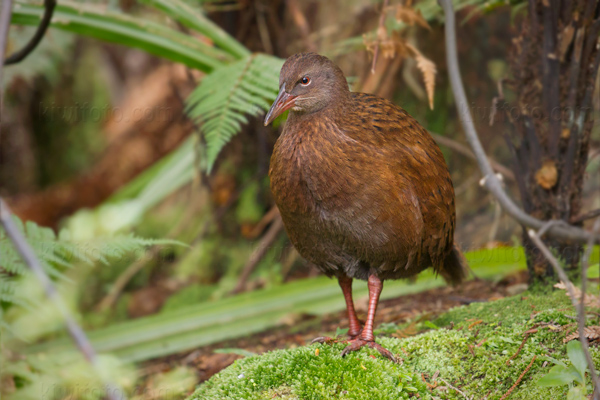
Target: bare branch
465, 151
491, 182
579, 307
589, 215
37, 37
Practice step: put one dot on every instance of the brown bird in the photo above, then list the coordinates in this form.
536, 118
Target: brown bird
362, 188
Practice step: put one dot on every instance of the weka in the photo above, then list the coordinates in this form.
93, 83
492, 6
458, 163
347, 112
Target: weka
362, 188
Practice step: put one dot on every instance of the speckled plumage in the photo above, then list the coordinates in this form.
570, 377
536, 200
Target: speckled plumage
362, 187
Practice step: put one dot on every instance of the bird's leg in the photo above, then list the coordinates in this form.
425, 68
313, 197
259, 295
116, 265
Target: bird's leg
366, 337
354, 324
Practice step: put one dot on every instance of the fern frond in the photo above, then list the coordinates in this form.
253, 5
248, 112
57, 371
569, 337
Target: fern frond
224, 99
57, 253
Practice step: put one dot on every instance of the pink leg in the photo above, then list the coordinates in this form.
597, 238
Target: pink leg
366, 337
346, 285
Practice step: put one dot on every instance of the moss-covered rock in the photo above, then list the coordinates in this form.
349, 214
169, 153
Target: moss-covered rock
473, 350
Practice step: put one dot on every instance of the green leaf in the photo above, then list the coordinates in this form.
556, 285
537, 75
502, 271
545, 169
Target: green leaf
553, 360
115, 27
577, 357
576, 393
507, 340
431, 325
557, 376
193, 19
210, 322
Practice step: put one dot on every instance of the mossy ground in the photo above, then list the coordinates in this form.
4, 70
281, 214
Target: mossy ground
471, 349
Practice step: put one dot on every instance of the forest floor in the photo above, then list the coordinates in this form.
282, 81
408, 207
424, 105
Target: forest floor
423, 306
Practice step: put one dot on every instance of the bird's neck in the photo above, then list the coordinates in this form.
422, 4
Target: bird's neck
332, 113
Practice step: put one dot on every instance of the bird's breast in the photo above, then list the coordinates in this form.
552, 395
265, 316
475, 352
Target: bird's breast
315, 170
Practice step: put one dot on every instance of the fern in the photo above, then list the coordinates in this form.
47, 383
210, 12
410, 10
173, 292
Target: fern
224, 99
58, 253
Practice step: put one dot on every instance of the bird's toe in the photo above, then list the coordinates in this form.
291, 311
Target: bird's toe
383, 351
358, 343
323, 339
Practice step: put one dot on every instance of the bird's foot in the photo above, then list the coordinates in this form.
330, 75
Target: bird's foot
356, 344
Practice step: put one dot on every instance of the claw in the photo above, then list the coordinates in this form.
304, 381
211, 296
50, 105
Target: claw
383, 351
356, 344
323, 339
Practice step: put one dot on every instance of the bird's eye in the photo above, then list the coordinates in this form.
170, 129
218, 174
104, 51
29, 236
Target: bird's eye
305, 80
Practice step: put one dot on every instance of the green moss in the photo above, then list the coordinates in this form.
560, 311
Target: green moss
303, 373
471, 350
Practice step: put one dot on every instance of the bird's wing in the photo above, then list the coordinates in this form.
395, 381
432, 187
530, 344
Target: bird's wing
414, 177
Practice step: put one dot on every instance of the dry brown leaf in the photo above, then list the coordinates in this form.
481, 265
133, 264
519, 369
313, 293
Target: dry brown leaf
547, 175
589, 300
410, 16
590, 332
428, 69
390, 46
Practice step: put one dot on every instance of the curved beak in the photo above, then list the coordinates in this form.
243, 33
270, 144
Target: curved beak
282, 103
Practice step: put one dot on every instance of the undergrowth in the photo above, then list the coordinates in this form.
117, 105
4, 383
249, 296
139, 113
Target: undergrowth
474, 349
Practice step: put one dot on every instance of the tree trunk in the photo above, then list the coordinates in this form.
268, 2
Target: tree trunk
554, 64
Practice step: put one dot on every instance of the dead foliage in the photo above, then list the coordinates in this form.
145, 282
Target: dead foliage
592, 333
589, 300
392, 44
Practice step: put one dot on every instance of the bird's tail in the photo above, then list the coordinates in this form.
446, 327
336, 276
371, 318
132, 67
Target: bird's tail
455, 268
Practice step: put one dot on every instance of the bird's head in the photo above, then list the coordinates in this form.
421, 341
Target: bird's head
308, 82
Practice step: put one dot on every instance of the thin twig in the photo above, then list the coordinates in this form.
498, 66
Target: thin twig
465, 151
381, 22
263, 223
117, 287
302, 24
518, 380
588, 215
263, 248
263, 30
31, 260
20, 55
456, 389
491, 182
125, 277
580, 310
527, 334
